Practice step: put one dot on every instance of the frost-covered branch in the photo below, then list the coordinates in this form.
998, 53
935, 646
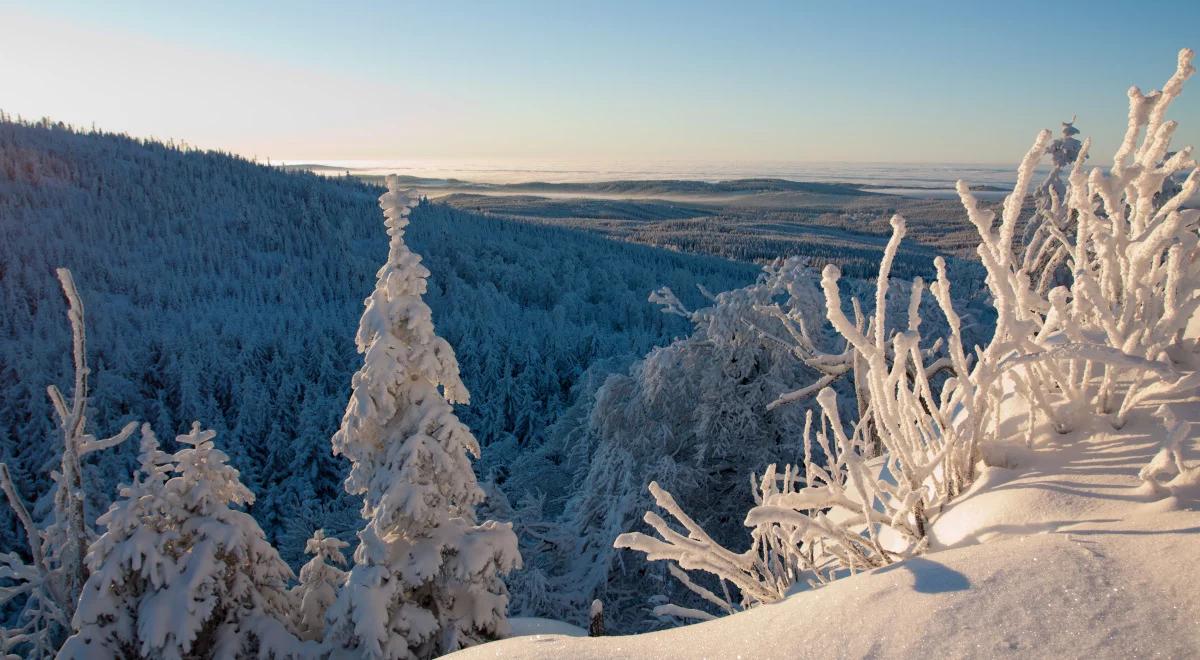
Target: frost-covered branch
1046, 243
18, 507
792, 276
842, 511
696, 550
52, 584
1134, 263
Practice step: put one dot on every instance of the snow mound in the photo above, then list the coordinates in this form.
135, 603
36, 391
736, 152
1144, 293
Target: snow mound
1062, 553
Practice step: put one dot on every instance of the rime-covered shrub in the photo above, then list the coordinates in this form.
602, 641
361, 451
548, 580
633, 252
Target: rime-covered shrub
1134, 261
841, 511
696, 417
1116, 327
693, 415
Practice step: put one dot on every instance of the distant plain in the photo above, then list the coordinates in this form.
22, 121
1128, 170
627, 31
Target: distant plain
843, 211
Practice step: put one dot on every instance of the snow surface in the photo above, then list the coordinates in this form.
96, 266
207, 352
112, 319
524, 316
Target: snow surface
1061, 553
532, 625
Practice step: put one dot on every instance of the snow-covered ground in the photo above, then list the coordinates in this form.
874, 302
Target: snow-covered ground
1063, 553
532, 625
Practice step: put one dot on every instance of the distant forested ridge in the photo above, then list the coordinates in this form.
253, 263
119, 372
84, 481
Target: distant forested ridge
221, 290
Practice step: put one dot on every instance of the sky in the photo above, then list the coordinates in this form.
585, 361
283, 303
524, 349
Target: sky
965, 82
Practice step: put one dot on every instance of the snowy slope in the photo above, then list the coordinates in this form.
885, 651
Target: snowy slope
1061, 554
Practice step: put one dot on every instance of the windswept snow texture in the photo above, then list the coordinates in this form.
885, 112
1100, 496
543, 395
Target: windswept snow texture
1080, 561
223, 291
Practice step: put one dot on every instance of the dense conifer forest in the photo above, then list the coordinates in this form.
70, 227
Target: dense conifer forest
222, 290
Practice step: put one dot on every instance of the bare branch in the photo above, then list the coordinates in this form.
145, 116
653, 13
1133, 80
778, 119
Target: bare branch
22, 513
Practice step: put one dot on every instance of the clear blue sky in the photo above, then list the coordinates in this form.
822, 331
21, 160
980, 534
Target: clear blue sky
799, 81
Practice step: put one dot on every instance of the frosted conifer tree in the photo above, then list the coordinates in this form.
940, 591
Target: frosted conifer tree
320, 580
426, 578
182, 574
127, 561
228, 593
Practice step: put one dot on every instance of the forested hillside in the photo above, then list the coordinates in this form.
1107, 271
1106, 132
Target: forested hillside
224, 291
220, 290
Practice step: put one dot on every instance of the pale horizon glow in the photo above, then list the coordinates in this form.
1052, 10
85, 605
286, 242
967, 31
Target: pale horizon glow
508, 171
617, 85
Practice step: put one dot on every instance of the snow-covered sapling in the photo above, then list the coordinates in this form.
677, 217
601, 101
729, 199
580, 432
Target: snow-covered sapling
127, 562
181, 573
320, 580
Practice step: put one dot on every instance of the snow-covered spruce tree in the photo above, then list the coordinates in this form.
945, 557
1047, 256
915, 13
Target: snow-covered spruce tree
180, 573
50, 584
127, 561
320, 580
426, 578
